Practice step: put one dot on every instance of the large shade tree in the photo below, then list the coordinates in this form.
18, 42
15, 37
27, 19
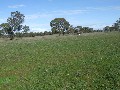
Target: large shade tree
59, 25
15, 22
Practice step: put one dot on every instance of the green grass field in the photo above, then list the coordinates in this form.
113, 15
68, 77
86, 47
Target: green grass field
85, 62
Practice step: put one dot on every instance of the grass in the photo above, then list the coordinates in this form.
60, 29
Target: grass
86, 62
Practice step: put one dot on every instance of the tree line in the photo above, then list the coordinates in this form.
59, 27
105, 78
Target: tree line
114, 27
14, 27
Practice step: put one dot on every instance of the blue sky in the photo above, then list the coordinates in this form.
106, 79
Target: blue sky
39, 13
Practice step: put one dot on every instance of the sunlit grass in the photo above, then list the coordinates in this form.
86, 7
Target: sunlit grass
89, 62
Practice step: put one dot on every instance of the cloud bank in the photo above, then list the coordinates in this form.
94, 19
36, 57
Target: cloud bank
16, 6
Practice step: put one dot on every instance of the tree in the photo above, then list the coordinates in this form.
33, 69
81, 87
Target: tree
45, 33
71, 30
4, 28
91, 30
112, 28
25, 29
19, 34
106, 29
54, 30
115, 26
118, 25
31, 34
78, 29
15, 22
60, 24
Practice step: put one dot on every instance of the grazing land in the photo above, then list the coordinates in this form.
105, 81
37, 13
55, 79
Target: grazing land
85, 62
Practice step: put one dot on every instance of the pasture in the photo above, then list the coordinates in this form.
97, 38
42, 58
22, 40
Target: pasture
85, 62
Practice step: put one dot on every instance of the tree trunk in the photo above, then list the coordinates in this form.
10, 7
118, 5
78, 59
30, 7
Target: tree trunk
11, 37
59, 32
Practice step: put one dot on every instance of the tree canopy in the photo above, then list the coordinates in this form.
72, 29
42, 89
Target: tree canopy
25, 29
15, 21
60, 25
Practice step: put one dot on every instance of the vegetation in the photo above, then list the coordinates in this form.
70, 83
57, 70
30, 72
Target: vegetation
14, 23
59, 25
90, 61
25, 29
87, 62
14, 27
114, 27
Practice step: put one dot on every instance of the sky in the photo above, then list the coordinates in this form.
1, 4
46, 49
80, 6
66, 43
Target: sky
38, 13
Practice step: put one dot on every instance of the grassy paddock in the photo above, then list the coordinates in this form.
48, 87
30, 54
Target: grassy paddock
85, 62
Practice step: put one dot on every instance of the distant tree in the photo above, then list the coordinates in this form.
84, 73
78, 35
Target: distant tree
78, 29
45, 33
41, 34
106, 29
4, 28
85, 29
115, 25
91, 30
71, 30
15, 22
26, 29
19, 34
112, 28
118, 25
50, 33
31, 34
60, 24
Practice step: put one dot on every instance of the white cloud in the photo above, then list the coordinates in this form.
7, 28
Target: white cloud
69, 12
55, 13
116, 8
16, 6
103, 8
36, 16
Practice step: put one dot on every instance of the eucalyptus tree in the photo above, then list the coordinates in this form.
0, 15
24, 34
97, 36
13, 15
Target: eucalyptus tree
60, 24
15, 21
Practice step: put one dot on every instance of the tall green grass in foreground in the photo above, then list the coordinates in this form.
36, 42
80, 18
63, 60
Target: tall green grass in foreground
86, 62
